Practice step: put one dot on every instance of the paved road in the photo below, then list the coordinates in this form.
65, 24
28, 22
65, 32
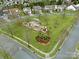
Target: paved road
68, 49
17, 51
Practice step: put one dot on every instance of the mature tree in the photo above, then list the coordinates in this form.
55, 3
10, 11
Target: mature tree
53, 2
1, 0
75, 1
59, 2
31, 5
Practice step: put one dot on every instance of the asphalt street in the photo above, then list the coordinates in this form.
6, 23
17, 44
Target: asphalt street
16, 50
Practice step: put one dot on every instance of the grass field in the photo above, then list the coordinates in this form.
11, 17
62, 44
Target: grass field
56, 25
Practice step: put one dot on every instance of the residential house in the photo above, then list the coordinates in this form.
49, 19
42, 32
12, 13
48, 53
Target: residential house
49, 8
13, 12
37, 10
27, 11
12, 1
59, 8
71, 7
76, 6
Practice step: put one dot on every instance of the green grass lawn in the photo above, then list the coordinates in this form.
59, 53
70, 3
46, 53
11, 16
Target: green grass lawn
4, 55
55, 23
77, 46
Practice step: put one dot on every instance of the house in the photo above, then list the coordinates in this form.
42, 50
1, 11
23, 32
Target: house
67, 1
59, 8
13, 11
71, 7
20, 1
76, 6
27, 11
48, 8
37, 10
51, 8
12, 1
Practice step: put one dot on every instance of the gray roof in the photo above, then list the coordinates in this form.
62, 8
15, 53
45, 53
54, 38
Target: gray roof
25, 0
37, 8
49, 6
77, 8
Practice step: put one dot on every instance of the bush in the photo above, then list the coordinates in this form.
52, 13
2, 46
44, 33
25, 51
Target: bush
43, 36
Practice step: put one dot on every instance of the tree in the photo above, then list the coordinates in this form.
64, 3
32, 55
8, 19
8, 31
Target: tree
53, 2
31, 6
59, 2
42, 4
1, 1
75, 1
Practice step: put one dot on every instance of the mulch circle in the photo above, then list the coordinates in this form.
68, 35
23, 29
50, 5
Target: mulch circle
42, 40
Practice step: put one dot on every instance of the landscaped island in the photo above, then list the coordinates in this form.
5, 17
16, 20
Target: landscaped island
43, 32
40, 26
